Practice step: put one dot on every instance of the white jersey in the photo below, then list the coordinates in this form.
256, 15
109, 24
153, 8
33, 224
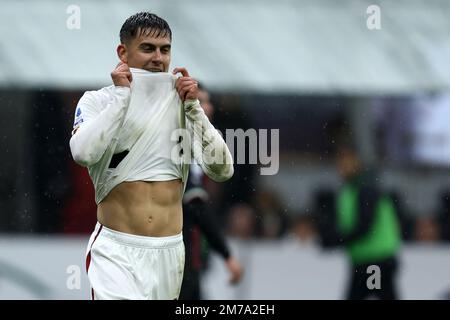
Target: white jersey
147, 133
143, 121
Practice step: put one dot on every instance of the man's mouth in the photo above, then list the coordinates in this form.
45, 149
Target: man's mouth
154, 70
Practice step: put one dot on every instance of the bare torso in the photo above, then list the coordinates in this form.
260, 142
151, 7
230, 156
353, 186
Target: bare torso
152, 209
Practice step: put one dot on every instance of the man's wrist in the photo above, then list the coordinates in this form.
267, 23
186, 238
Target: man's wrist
190, 103
193, 109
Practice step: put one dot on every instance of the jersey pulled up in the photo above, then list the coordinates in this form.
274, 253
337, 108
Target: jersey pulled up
141, 123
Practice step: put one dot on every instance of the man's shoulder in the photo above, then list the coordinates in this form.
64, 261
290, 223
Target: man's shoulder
97, 97
102, 93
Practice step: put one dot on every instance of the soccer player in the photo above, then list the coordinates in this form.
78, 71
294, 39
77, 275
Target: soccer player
123, 134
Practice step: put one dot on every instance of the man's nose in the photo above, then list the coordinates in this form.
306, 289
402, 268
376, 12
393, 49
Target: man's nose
157, 57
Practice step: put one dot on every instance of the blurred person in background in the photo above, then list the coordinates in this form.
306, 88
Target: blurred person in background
272, 222
406, 221
324, 217
241, 222
368, 226
136, 250
303, 229
198, 221
426, 230
241, 187
444, 215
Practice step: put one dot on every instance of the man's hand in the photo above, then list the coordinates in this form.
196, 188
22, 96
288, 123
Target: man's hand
186, 86
121, 75
235, 269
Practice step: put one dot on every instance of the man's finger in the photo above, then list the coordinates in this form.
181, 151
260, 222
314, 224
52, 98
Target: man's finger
183, 71
186, 87
124, 74
186, 90
129, 75
183, 83
183, 92
123, 67
120, 64
192, 87
186, 79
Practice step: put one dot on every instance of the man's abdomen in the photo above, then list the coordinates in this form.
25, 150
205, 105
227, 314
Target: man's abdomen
150, 209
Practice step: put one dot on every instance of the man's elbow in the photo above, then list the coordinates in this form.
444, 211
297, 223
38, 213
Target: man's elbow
82, 159
81, 156
229, 172
225, 173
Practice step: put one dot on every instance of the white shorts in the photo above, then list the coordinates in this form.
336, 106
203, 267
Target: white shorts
123, 266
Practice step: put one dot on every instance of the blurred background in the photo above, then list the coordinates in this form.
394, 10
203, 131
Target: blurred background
310, 68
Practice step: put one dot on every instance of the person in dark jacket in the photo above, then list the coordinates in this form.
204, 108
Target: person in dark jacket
198, 222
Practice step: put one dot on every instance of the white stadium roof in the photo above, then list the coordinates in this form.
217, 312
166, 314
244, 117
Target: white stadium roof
296, 46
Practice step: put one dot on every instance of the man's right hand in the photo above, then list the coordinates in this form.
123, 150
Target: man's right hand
121, 75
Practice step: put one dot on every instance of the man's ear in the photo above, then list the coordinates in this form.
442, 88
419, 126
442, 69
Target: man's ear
122, 53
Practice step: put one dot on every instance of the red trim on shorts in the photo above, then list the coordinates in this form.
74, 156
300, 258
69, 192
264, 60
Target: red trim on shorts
88, 257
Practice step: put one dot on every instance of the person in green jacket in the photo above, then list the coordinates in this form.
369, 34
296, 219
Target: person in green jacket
369, 229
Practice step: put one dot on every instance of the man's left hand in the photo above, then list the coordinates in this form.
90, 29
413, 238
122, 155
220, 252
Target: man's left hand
186, 86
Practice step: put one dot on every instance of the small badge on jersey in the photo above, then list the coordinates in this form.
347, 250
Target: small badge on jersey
78, 117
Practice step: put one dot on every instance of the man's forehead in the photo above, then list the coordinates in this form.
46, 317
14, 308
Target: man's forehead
153, 36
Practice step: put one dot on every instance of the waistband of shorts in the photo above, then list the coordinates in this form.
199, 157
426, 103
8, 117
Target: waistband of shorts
141, 241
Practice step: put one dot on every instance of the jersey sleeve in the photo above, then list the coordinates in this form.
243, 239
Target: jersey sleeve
208, 147
96, 125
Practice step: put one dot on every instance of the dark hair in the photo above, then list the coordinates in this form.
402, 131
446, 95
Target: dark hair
144, 22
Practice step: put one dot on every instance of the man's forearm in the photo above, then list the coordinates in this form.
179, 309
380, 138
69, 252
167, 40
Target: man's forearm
209, 148
89, 143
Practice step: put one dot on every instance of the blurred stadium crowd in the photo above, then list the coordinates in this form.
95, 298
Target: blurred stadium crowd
59, 194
